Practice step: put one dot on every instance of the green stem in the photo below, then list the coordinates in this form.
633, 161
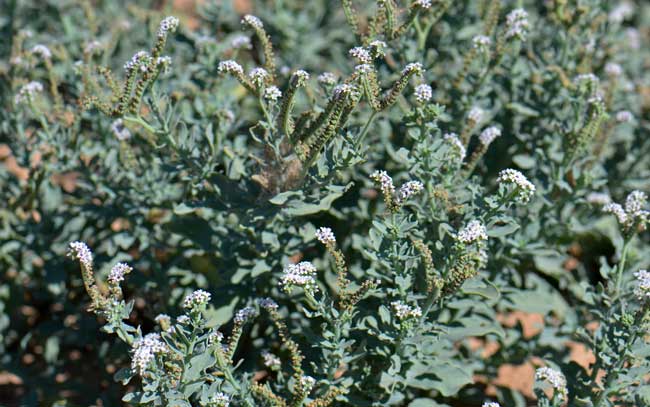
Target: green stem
141, 122
364, 132
621, 267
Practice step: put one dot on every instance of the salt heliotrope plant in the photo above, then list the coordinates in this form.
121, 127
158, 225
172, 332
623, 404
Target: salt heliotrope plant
311, 203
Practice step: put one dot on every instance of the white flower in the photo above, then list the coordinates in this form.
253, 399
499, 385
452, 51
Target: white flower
488, 135
385, 182
415, 68
423, 3
475, 115
302, 275
344, 90
361, 54
272, 93
325, 236
139, 60
616, 210
363, 68
624, 116
167, 25
307, 383
613, 69
633, 214
525, 188
120, 131
145, 350
183, 319
163, 319
633, 38
117, 273
41, 50
378, 48
460, 151
267, 303
252, 21
598, 198
327, 78
491, 404
642, 285
92, 46
27, 92
473, 232
219, 399
586, 79
215, 337
80, 251
196, 300
244, 314
409, 189
423, 93
301, 76
241, 42
554, 378
621, 12
270, 360
404, 311
635, 202
481, 42
230, 67
258, 76
517, 24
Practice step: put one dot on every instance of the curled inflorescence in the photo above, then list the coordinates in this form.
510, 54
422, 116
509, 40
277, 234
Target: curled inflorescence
457, 145
145, 350
301, 275
325, 236
196, 300
423, 93
81, 252
642, 285
118, 272
473, 232
167, 25
517, 24
404, 311
525, 189
553, 377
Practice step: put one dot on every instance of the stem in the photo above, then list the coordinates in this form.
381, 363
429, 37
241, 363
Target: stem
621, 267
141, 122
366, 127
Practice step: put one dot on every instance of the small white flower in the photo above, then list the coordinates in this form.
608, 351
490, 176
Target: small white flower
327, 78
621, 12
120, 131
624, 116
244, 314
344, 90
139, 60
163, 319
145, 350
300, 76
270, 360
252, 21
488, 135
258, 76
267, 303
517, 24
613, 69
363, 68
616, 210
586, 79
231, 67
409, 189
491, 404
633, 38
215, 337
241, 42
554, 378
404, 311
635, 202
459, 149
307, 383
302, 275
525, 188
167, 25
414, 68
41, 50
325, 236
475, 115
272, 93
196, 300
361, 54
473, 232
423, 3
423, 93
183, 319
481, 43
92, 46
642, 285
598, 198
27, 92
385, 182
80, 251
219, 399
117, 273
378, 48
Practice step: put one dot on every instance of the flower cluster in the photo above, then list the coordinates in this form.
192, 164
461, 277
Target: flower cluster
457, 145
27, 92
554, 378
215, 337
272, 93
598, 198
117, 273
517, 24
258, 76
385, 182
633, 214
327, 78
244, 314
426, 4
140, 59
301, 275
145, 350
404, 311
491, 404
301, 76
488, 135
196, 300
613, 69
481, 43
624, 116
252, 21
423, 93
361, 54
525, 189
271, 361
219, 399
231, 67
241, 42
325, 236
413, 68
80, 251
473, 232
42, 50
409, 189
475, 115
267, 303
642, 285
167, 25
